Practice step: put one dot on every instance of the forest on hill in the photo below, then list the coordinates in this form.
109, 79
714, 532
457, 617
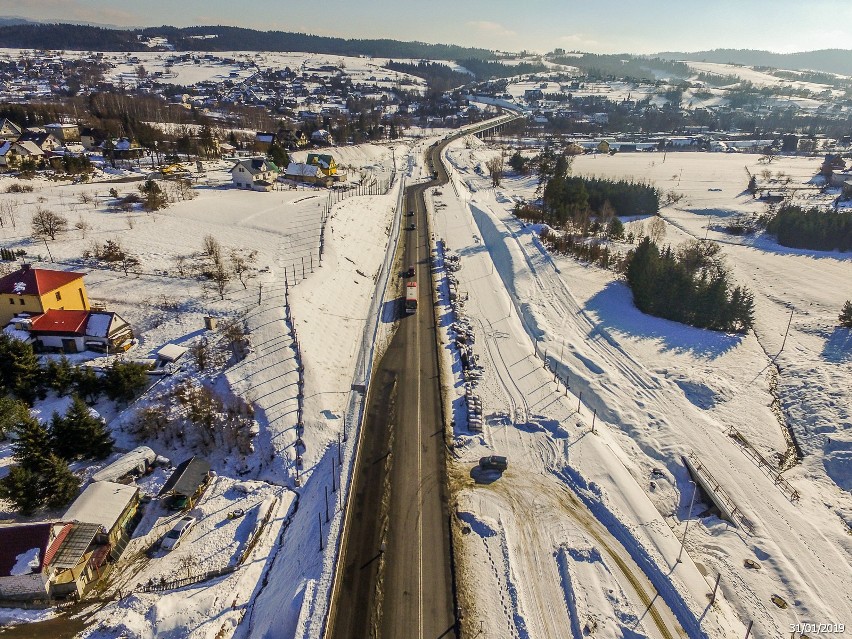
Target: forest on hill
77, 37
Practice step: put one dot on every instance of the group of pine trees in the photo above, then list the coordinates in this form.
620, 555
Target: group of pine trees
688, 286
41, 475
22, 376
812, 228
565, 197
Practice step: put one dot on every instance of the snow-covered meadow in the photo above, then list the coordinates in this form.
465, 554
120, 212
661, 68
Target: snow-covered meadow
531, 559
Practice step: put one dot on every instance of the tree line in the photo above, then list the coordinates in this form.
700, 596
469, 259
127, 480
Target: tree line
812, 228
689, 286
75, 37
567, 197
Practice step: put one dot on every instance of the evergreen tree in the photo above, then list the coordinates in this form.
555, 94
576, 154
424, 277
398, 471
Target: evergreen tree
279, 156
19, 368
79, 434
60, 375
846, 315
616, 229
123, 380
12, 413
58, 484
87, 384
32, 445
22, 487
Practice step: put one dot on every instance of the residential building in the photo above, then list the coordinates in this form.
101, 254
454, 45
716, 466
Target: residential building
257, 174
9, 131
74, 331
35, 291
324, 161
112, 507
64, 132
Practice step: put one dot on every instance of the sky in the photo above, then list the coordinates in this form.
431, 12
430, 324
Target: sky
600, 26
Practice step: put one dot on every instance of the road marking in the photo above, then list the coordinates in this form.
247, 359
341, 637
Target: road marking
419, 463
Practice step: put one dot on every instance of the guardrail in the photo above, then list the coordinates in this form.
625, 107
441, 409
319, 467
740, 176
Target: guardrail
355, 407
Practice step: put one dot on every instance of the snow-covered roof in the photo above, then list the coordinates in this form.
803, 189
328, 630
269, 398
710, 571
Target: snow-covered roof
125, 464
99, 323
102, 502
22, 548
171, 352
299, 169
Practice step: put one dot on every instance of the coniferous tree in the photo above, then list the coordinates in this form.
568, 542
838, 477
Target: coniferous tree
12, 413
846, 315
58, 484
32, 446
22, 487
79, 434
19, 368
87, 384
123, 380
60, 375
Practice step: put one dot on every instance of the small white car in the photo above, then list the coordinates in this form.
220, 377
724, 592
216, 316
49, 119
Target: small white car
177, 533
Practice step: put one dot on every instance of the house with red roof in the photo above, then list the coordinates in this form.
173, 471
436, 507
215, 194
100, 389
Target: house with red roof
37, 290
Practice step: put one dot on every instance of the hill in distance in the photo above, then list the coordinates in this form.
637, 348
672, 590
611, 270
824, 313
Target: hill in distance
826, 60
76, 37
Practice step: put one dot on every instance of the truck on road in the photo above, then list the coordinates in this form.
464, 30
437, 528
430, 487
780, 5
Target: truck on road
411, 297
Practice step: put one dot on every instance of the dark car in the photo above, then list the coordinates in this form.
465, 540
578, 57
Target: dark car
410, 271
412, 226
410, 213
494, 462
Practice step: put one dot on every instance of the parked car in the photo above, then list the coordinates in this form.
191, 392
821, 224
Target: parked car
177, 533
494, 462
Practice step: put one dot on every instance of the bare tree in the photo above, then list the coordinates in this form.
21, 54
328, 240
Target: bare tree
8, 212
657, 229
495, 170
241, 265
220, 276
46, 223
212, 248
83, 226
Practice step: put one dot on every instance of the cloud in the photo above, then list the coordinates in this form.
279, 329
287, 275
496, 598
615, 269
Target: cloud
492, 28
579, 41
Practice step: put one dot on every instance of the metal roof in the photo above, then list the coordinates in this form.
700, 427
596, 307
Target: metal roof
75, 545
102, 502
187, 477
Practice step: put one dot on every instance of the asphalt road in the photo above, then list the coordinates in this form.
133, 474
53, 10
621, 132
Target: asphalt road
399, 492
396, 575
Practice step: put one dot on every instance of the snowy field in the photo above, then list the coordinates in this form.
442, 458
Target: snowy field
243, 66
533, 562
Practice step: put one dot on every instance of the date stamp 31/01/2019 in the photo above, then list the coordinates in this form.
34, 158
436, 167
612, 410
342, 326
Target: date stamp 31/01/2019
818, 628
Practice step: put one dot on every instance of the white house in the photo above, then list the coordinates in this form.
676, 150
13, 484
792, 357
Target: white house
257, 174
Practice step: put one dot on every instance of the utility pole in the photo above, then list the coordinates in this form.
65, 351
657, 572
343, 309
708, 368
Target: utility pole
688, 515
789, 322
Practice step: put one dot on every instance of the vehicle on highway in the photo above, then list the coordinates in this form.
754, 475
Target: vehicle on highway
410, 271
412, 226
410, 213
494, 462
411, 298
177, 533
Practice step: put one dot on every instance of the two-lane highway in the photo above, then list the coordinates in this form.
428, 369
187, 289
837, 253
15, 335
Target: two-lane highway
396, 577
